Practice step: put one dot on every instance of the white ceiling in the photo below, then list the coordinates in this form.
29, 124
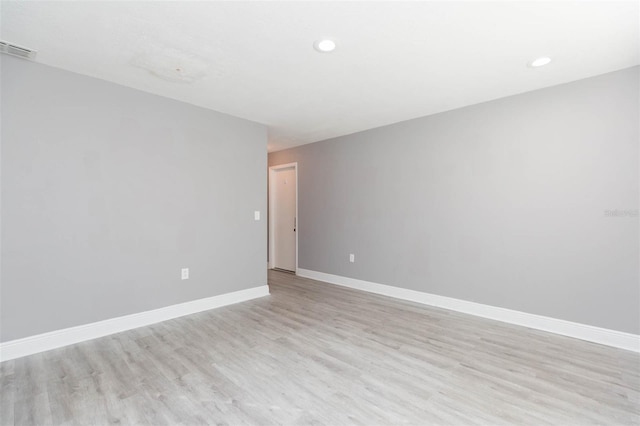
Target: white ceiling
394, 60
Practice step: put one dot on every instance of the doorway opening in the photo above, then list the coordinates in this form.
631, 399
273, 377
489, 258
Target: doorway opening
283, 217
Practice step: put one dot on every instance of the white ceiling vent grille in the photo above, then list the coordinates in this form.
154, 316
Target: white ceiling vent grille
15, 50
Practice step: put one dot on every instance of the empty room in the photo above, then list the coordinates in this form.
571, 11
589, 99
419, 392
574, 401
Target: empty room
320, 213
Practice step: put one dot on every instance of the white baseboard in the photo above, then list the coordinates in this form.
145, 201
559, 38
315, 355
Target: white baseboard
68, 336
589, 333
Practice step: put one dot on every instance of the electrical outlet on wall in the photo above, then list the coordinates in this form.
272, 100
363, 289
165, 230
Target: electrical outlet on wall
352, 258
185, 273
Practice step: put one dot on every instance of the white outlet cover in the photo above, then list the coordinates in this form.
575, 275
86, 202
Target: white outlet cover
256, 215
185, 273
352, 258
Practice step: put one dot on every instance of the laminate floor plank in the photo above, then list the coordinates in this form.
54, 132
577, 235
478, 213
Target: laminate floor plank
7, 392
316, 354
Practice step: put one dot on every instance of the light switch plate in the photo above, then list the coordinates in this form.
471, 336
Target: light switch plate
256, 215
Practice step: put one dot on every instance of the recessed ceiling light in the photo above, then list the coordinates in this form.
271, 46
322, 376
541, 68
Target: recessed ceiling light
540, 62
324, 45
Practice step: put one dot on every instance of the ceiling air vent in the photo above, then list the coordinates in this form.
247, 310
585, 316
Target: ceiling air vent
15, 50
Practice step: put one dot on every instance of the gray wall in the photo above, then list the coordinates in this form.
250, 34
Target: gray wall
501, 203
107, 192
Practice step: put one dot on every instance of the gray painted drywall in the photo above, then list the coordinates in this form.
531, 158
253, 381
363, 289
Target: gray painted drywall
107, 192
501, 203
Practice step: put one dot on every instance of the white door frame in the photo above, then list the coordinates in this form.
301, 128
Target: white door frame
272, 210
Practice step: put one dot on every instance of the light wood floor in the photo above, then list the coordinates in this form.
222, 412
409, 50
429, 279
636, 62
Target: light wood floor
313, 353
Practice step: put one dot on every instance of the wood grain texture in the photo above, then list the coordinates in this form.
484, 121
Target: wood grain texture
313, 353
